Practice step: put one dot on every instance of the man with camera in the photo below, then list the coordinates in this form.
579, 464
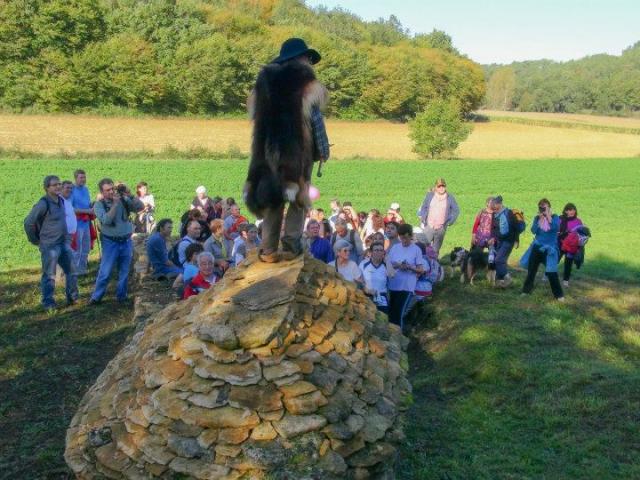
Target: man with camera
113, 212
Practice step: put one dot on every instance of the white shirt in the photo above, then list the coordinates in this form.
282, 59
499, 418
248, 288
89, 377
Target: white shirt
350, 271
404, 280
375, 278
70, 216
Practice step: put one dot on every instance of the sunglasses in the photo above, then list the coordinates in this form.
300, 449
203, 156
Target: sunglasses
378, 250
444, 186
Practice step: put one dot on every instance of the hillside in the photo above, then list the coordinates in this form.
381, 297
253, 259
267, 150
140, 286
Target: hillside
606, 84
202, 56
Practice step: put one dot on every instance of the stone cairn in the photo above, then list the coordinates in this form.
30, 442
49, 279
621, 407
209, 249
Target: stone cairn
279, 371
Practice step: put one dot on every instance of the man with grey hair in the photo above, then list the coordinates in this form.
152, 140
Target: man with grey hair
46, 227
343, 233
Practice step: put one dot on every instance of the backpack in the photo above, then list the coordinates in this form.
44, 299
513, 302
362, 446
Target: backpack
520, 223
174, 255
352, 238
39, 221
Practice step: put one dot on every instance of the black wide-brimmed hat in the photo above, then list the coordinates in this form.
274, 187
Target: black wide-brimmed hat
294, 47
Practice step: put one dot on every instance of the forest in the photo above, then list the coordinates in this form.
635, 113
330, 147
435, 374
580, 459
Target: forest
201, 57
604, 84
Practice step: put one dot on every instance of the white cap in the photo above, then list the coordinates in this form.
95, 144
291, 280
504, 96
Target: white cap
201, 189
394, 206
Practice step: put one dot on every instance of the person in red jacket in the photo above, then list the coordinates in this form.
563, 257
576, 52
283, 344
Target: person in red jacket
207, 276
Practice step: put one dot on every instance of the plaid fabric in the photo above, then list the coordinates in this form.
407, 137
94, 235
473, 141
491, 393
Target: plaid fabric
319, 133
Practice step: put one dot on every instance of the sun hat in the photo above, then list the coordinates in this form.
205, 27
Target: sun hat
294, 47
394, 206
201, 189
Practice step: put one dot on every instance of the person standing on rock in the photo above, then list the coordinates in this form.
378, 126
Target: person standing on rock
288, 136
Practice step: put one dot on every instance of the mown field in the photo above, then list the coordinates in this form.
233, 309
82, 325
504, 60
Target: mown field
53, 134
606, 192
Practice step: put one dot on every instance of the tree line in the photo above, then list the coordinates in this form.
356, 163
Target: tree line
201, 57
605, 84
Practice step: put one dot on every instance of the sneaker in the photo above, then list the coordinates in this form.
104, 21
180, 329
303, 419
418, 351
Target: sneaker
565, 283
561, 299
507, 281
93, 301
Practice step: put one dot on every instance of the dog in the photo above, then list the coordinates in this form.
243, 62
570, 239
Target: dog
470, 263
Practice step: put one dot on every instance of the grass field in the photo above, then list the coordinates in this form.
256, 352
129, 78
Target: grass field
489, 140
505, 387
606, 192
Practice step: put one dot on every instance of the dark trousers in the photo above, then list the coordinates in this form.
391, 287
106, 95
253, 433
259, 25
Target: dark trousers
539, 257
568, 265
293, 226
399, 302
503, 250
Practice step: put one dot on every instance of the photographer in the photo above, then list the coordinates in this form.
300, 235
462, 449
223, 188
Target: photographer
113, 212
543, 249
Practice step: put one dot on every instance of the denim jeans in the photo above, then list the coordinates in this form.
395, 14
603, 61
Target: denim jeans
113, 253
502, 257
51, 256
83, 246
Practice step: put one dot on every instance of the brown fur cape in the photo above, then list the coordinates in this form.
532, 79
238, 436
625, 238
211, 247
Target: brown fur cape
283, 151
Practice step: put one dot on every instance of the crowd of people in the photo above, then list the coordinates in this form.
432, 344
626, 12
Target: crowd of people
395, 264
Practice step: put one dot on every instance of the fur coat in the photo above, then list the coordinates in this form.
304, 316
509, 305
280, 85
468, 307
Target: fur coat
282, 151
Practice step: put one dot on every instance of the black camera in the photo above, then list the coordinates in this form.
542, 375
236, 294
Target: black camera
121, 189
542, 208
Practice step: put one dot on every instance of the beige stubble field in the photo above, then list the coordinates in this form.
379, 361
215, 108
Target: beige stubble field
54, 134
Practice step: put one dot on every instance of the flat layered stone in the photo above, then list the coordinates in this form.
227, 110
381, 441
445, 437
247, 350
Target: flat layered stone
264, 431
163, 371
293, 425
248, 373
233, 436
305, 404
199, 469
297, 388
223, 417
258, 398
285, 368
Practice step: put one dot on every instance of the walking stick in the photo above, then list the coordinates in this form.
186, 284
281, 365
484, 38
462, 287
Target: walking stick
319, 172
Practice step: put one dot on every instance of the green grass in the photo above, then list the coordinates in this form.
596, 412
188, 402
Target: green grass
606, 192
517, 387
504, 387
47, 363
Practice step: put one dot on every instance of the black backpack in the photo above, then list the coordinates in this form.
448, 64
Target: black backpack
174, 256
40, 220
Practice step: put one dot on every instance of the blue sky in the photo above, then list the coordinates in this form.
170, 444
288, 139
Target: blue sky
502, 31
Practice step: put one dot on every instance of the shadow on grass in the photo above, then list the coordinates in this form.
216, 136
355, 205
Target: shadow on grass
525, 387
47, 362
606, 268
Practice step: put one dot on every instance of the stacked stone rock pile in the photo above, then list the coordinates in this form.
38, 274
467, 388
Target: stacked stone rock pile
281, 371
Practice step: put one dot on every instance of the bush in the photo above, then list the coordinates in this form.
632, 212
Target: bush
438, 129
